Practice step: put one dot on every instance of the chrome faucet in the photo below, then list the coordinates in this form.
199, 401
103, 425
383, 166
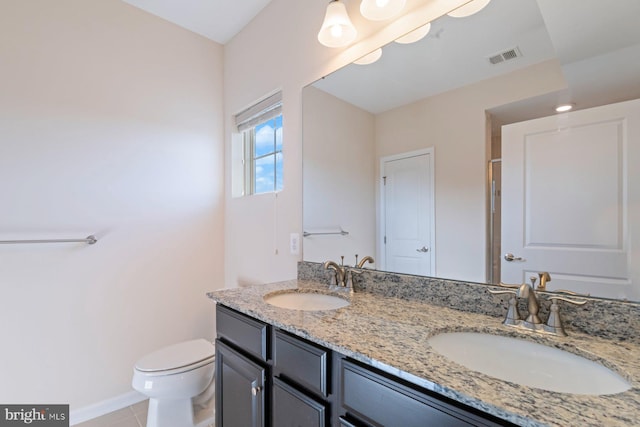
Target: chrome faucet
533, 306
357, 269
513, 318
344, 274
340, 272
544, 278
363, 260
532, 322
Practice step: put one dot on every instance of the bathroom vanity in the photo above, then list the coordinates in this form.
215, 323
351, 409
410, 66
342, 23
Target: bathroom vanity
370, 364
312, 386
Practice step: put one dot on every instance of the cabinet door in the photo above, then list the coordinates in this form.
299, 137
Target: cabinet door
240, 395
292, 408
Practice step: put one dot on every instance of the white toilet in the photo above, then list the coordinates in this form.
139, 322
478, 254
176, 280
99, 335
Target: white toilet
174, 378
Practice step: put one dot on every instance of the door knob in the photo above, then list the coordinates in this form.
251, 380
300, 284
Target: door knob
512, 257
423, 249
255, 390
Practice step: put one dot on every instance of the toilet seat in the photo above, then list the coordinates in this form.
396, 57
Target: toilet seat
177, 358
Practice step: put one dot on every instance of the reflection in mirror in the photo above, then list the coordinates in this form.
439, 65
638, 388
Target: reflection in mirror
450, 93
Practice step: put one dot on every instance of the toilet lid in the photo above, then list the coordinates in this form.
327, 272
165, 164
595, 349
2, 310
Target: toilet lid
177, 356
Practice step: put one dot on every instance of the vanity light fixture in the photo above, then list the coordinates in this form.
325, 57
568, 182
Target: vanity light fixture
415, 35
380, 10
564, 108
469, 9
337, 29
369, 58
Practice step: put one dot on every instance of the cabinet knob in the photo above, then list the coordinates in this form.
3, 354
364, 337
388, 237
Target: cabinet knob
255, 390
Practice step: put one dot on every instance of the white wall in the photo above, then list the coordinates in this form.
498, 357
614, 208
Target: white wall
339, 178
110, 123
279, 50
454, 124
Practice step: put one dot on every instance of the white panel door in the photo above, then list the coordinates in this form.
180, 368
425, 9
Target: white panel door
566, 199
408, 214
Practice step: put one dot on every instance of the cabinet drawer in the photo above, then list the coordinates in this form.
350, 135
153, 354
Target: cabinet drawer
381, 401
301, 362
244, 332
292, 408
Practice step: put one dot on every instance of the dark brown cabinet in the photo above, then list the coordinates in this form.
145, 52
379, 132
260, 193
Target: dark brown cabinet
242, 370
372, 398
241, 401
266, 377
294, 408
301, 362
302, 395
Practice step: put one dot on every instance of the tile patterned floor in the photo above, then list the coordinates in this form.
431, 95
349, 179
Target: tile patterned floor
136, 416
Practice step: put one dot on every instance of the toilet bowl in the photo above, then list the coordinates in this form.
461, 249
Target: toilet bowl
173, 377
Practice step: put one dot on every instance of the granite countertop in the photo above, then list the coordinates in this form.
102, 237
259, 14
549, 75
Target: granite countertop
392, 334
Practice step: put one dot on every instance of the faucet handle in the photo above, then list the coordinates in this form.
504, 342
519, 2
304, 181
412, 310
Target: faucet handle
513, 315
555, 298
564, 291
554, 322
507, 285
506, 291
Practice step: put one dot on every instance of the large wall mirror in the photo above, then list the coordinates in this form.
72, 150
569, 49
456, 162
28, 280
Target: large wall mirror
413, 142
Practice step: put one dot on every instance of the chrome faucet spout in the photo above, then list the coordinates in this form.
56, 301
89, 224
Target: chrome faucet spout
526, 291
340, 272
368, 259
544, 278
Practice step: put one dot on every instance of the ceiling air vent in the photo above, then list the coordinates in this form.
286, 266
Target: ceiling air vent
505, 56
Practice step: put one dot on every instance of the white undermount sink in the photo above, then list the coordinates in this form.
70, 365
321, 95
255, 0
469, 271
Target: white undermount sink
305, 301
529, 364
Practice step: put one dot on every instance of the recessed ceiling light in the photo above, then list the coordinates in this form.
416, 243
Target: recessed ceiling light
563, 108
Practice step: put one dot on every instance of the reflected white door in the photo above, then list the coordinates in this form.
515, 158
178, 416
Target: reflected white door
407, 211
567, 185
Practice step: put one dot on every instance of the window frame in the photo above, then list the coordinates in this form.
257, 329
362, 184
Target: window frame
250, 158
247, 121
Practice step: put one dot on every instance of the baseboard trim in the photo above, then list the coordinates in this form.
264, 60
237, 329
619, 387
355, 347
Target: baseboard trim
99, 409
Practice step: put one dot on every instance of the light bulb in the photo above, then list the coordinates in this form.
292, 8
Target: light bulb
379, 10
563, 108
337, 29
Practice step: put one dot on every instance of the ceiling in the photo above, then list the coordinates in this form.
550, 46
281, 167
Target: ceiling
218, 20
596, 45
592, 40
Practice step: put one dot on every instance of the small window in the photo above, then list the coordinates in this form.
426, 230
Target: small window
263, 157
261, 127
